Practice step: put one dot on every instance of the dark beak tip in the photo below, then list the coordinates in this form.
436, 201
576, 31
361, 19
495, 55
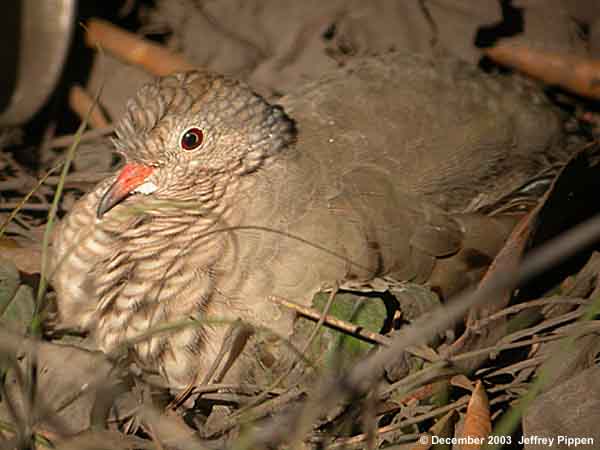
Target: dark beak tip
110, 198
131, 176
102, 209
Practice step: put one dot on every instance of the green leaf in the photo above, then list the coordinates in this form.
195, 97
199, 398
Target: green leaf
335, 348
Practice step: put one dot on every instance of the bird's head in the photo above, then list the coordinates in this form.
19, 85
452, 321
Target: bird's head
187, 128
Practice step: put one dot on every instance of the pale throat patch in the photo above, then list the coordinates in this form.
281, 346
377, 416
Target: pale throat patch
146, 188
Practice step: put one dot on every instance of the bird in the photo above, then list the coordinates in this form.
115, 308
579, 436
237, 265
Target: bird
227, 202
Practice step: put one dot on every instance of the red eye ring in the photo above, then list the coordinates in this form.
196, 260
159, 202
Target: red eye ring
191, 138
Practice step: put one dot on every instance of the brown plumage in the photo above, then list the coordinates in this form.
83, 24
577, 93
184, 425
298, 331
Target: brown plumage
227, 201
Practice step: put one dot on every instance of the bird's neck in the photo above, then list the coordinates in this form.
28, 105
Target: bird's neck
164, 242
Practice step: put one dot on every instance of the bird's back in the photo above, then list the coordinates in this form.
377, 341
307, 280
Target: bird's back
442, 130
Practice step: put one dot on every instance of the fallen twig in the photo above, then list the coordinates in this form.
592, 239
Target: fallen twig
574, 73
133, 49
337, 324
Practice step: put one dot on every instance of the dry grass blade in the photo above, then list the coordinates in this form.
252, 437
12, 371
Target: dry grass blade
35, 328
36, 325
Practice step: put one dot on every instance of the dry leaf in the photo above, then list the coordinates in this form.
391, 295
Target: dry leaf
27, 260
462, 382
478, 424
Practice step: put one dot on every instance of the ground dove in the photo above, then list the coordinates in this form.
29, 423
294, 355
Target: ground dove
227, 203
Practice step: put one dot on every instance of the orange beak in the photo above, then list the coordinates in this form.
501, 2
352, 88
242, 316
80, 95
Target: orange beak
132, 176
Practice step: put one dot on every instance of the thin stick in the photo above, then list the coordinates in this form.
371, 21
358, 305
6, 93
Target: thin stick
574, 73
49, 225
132, 49
337, 324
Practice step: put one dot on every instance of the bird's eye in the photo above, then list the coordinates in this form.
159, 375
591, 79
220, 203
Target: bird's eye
191, 138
